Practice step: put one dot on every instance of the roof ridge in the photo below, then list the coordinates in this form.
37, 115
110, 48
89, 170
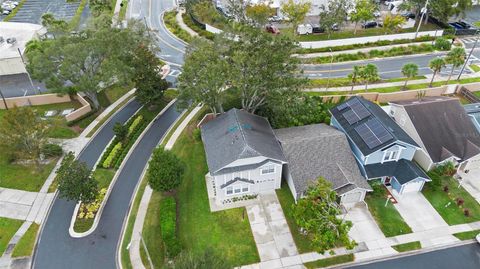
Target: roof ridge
240, 128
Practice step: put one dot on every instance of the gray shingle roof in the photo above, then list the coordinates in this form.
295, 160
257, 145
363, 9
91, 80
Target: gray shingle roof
319, 150
444, 127
403, 170
378, 113
235, 135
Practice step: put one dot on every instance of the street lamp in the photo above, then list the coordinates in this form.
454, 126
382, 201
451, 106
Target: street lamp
469, 55
423, 11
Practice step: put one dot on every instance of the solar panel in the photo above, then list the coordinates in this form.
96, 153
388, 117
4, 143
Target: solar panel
373, 133
360, 110
342, 106
351, 117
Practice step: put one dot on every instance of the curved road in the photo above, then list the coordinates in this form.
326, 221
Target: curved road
55, 248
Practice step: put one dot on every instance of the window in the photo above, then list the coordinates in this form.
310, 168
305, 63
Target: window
390, 156
268, 169
237, 189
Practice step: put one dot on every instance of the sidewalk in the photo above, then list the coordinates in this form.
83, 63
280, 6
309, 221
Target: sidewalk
182, 24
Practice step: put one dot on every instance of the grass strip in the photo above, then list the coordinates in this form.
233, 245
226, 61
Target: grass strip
408, 246
330, 261
8, 228
467, 235
25, 246
344, 82
475, 68
73, 24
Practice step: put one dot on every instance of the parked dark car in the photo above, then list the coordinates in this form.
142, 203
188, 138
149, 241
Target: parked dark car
369, 24
408, 15
316, 29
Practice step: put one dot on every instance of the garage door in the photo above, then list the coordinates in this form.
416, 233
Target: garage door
352, 197
473, 164
412, 186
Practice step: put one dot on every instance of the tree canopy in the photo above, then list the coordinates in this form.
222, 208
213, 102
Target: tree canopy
334, 14
165, 170
296, 12
75, 181
317, 213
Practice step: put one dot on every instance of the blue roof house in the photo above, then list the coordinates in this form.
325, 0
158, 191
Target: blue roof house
380, 146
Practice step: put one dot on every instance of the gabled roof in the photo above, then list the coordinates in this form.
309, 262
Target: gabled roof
403, 170
236, 135
444, 127
374, 113
319, 150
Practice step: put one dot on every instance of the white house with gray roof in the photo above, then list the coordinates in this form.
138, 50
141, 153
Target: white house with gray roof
243, 156
319, 150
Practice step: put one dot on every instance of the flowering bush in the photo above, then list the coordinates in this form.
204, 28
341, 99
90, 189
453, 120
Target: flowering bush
135, 124
88, 211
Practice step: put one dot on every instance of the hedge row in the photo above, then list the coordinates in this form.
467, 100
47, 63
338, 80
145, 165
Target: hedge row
134, 124
131, 140
107, 163
190, 23
168, 227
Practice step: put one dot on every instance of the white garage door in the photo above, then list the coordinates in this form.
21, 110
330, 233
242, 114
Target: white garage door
352, 197
473, 164
412, 186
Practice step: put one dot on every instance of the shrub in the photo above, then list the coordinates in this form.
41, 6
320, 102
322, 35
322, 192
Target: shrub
109, 160
168, 229
197, 134
120, 130
466, 212
460, 201
51, 150
442, 44
445, 188
135, 124
88, 211
165, 170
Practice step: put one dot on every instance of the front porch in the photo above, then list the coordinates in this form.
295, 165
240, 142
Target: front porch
218, 204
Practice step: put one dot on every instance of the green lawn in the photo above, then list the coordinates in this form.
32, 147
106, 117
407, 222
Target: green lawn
475, 67
330, 261
360, 33
286, 200
226, 232
467, 235
104, 177
452, 214
387, 217
151, 233
408, 246
23, 177
8, 227
343, 82
26, 244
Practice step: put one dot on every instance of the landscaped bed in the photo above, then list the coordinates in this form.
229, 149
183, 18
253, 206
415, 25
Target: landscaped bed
226, 233
387, 217
346, 82
25, 246
408, 246
112, 159
445, 197
174, 28
8, 227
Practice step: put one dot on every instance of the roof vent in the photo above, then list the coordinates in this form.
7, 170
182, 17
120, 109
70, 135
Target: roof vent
11, 40
391, 129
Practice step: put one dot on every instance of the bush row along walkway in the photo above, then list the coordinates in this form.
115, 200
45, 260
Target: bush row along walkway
134, 249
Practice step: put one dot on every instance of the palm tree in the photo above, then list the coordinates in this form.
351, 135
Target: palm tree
455, 57
355, 75
409, 70
369, 74
436, 66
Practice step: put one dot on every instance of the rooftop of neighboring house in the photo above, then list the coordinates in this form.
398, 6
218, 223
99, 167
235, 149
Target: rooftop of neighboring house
403, 170
368, 125
318, 150
237, 134
444, 127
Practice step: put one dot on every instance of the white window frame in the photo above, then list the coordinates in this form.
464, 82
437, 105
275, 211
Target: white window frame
239, 187
267, 167
391, 155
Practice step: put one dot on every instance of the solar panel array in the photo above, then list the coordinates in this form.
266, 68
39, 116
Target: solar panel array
358, 112
373, 133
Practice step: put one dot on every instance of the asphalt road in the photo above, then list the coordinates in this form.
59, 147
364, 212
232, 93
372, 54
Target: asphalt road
32, 10
388, 67
171, 48
56, 249
461, 257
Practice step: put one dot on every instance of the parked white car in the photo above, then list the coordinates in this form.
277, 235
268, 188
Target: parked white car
478, 238
304, 29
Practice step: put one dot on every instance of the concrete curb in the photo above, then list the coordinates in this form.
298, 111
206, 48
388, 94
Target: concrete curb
172, 35
112, 183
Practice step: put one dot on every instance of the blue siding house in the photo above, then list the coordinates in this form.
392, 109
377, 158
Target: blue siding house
381, 148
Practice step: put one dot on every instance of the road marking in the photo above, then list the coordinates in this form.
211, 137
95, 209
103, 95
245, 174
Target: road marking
174, 73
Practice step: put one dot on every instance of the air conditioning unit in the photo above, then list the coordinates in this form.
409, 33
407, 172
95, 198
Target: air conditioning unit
11, 40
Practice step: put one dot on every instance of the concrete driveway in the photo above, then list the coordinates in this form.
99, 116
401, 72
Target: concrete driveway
417, 212
471, 183
364, 227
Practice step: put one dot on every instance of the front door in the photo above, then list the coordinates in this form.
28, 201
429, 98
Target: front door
387, 181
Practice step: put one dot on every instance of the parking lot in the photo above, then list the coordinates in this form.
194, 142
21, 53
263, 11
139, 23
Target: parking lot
32, 10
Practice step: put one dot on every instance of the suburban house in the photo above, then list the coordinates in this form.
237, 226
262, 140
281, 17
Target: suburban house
473, 111
442, 128
320, 150
381, 148
243, 156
